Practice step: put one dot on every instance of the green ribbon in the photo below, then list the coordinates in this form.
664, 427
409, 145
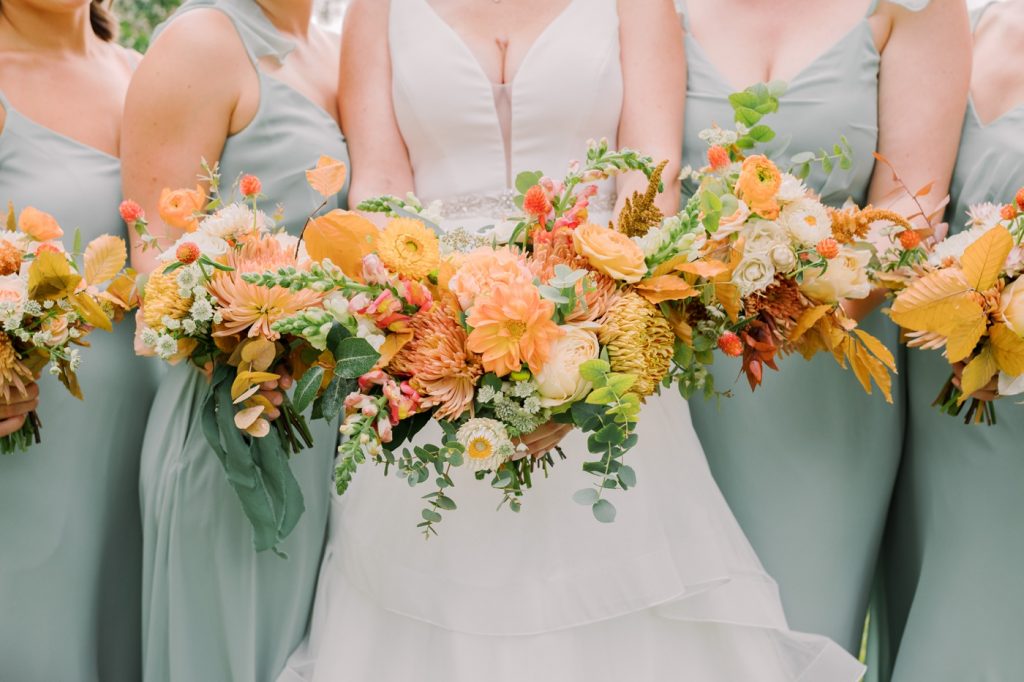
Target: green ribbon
257, 468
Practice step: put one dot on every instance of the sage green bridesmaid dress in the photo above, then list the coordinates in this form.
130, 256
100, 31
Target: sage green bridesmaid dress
70, 533
953, 558
808, 461
214, 609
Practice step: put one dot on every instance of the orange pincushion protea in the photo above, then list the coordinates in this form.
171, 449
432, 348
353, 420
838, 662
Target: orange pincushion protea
252, 307
511, 326
438, 360
556, 248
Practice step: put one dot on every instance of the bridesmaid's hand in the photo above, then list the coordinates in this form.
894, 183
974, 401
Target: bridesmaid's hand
987, 393
13, 414
545, 438
274, 391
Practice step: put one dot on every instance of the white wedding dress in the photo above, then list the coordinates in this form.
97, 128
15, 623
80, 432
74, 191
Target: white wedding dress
671, 590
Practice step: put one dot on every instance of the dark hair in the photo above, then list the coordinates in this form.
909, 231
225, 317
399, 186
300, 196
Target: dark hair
104, 23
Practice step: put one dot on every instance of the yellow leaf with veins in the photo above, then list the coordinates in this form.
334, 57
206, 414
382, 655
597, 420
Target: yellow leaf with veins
964, 337
328, 177
808, 319
90, 311
938, 302
665, 288
984, 259
50, 277
977, 373
104, 258
344, 237
1008, 349
876, 347
259, 353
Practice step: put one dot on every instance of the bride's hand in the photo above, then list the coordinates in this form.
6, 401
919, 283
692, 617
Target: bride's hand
988, 393
13, 414
545, 438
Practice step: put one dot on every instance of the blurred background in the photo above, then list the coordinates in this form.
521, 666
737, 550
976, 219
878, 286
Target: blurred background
138, 17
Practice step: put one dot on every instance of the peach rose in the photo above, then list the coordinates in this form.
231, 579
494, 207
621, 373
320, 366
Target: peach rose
57, 327
610, 252
178, 207
758, 186
39, 225
1012, 306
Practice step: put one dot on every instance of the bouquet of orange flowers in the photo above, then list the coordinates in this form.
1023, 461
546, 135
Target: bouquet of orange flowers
774, 262
50, 300
199, 307
967, 299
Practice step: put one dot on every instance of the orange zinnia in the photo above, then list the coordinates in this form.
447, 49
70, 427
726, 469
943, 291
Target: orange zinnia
512, 325
758, 186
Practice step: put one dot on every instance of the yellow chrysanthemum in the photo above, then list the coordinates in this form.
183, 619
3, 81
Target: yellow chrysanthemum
162, 299
639, 341
13, 374
409, 248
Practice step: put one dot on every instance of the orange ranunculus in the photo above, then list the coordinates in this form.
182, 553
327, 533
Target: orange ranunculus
512, 325
484, 269
178, 208
758, 186
610, 252
39, 225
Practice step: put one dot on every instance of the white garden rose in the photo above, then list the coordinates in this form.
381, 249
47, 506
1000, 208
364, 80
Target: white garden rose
791, 189
761, 236
846, 277
783, 257
754, 273
807, 221
1011, 306
1009, 385
734, 222
559, 381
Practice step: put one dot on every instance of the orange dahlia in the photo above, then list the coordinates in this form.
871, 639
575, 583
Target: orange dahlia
409, 248
251, 307
557, 249
511, 326
437, 359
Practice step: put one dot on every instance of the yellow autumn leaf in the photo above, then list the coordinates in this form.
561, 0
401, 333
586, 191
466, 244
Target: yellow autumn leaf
248, 416
728, 294
246, 380
877, 348
808, 319
671, 265
123, 291
937, 302
344, 237
392, 344
984, 259
91, 312
1008, 349
964, 337
665, 288
328, 177
259, 353
879, 373
705, 268
859, 367
104, 258
50, 277
978, 373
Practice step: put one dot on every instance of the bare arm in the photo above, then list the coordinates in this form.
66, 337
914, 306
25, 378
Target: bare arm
654, 77
380, 161
178, 111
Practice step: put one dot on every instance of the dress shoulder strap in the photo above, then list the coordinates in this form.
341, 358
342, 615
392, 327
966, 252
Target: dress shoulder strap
912, 5
681, 11
259, 36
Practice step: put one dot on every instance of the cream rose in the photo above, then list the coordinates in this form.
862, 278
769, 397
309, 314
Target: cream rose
731, 224
762, 236
610, 252
846, 277
754, 273
783, 257
559, 381
1012, 306
807, 221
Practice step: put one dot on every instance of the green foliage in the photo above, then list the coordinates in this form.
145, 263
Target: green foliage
138, 19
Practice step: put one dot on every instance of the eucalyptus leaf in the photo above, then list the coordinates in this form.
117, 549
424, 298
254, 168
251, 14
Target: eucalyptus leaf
585, 496
604, 511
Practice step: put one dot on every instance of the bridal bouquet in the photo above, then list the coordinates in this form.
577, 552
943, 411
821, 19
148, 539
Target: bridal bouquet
774, 263
968, 299
199, 307
50, 300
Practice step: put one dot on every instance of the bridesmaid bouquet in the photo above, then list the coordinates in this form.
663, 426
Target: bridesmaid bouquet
774, 264
50, 300
968, 299
200, 307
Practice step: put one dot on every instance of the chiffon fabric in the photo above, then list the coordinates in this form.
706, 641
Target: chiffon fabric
71, 564
952, 591
808, 461
671, 589
214, 609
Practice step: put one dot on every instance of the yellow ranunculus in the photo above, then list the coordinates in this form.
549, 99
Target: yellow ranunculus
610, 252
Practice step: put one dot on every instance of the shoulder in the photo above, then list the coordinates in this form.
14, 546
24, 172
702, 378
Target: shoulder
368, 12
1000, 23
647, 14
202, 35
